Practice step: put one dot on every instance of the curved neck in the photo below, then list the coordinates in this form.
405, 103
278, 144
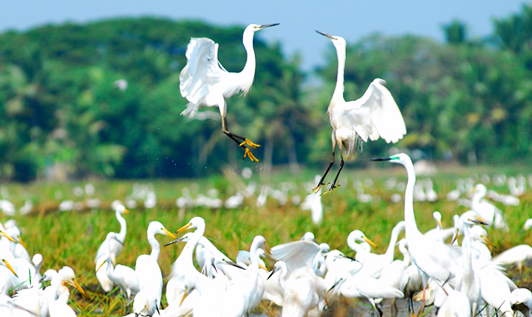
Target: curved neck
338, 94
123, 227
188, 250
248, 72
155, 247
410, 220
393, 240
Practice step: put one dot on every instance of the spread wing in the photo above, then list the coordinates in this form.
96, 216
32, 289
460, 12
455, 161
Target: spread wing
202, 70
376, 114
296, 254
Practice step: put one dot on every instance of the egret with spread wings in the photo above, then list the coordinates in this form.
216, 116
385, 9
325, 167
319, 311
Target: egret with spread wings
205, 83
373, 115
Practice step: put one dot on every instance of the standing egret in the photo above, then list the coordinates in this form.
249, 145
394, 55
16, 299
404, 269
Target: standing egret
492, 215
147, 268
114, 247
205, 83
434, 259
373, 115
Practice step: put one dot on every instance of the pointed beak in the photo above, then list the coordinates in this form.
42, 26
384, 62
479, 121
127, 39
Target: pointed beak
268, 25
168, 233
2, 232
10, 267
76, 285
325, 34
488, 242
99, 267
263, 267
271, 274
335, 284
126, 211
185, 227
370, 242
381, 158
439, 223
455, 236
175, 241
22, 242
479, 221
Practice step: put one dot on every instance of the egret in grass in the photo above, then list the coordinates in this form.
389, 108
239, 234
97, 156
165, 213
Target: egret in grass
114, 247
373, 115
121, 275
434, 259
148, 271
492, 215
205, 83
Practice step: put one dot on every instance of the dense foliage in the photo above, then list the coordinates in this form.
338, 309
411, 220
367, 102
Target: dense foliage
61, 116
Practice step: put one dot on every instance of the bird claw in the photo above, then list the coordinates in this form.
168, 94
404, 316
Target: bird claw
250, 155
248, 142
331, 190
318, 188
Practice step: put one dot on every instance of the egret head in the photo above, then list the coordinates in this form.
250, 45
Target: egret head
155, 227
194, 223
338, 41
67, 276
121, 209
358, 236
400, 158
437, 216
257, 27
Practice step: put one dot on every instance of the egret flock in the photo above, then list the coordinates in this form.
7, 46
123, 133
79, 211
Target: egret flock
307, 278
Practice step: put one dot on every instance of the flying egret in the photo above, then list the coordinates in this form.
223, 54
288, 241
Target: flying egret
147, 268
114, 247
205, 83
373, 115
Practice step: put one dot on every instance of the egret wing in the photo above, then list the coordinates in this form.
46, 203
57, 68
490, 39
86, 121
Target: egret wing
296, 254
202, 69
376, 114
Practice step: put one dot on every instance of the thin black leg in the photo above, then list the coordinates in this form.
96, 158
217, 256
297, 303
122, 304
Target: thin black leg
317, 188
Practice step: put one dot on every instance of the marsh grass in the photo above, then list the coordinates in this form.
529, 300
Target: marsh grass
72, 238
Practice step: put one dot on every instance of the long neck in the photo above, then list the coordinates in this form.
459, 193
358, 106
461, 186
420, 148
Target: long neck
188, 250
248, 73
468, 269
338, 94
123, 227
391, 247
410, 220
155, 247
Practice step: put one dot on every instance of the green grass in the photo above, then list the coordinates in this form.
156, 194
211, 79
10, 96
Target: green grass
72, 238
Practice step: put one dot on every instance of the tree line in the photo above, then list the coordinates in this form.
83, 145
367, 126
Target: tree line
63, 116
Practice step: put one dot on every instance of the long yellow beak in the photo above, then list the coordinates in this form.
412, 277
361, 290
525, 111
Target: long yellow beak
126, 211
185, 227
22, 242
76, 285
370, 242
183, 299
263, 267
2, 232
99, 267
455, 236
10, 267
439, 223
173, 236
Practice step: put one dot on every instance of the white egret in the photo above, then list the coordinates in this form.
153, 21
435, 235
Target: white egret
121, 275
205, 83
8, 277
184, 265
433, 258
373, 264
486, 210
373, 115
303, 289
114, 247
147, 267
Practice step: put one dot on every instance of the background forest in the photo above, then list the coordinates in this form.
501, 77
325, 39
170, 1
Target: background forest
62, 116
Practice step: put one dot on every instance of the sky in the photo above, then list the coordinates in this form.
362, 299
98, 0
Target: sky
351, 19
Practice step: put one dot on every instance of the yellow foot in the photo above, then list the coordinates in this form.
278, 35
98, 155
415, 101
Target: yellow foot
248, 142
331, 190
250, 155
318, 188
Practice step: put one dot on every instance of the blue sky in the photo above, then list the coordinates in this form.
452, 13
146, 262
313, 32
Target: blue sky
352, 19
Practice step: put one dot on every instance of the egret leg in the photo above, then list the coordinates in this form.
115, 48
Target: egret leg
317, 188
243, 144
333, 186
